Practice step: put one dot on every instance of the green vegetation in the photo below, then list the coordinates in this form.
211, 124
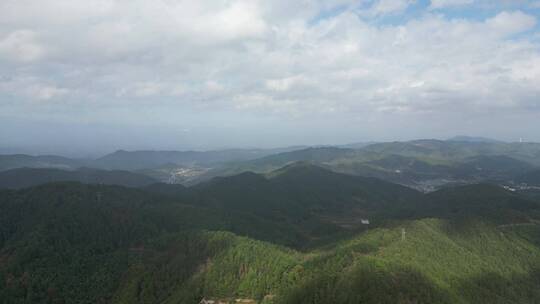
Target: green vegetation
531, 178
421, 164
409, 163
27, 177
292, 236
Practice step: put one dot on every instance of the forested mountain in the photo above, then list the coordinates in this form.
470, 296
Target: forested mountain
531, 178
464, 138
421, 164
291, 236
26, 177
136, 160
445, 151
14, 161
315, 199
426, 165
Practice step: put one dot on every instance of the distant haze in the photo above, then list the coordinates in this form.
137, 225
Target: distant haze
89, 77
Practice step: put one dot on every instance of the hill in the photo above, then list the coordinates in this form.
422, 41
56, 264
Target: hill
425, 165
316, 199
490, 203
490, 167
225, 240
448, 151
422, 164
73, 243
137, 160
531, 178
43, 161
80, 253
464, 138
26, 177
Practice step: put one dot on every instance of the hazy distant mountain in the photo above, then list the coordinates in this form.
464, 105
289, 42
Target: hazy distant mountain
477, 139
490, 167
43, 161
136, 160
316, 155
448, 151
313, 154
531, 178
26, 177
410, 163
357, 145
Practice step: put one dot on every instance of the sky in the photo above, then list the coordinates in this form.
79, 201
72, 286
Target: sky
83, 76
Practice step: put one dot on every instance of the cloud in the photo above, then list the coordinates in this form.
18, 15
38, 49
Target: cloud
21, 46
512, 22
439, 4
288, 59
42, 92
389, 7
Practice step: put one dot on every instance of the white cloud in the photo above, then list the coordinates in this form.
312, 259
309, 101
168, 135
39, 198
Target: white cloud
512, 22
385, 7
21, 46
264, 57
439, 4
43, 92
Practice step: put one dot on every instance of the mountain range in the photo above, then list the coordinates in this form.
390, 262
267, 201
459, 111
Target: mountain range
298, 234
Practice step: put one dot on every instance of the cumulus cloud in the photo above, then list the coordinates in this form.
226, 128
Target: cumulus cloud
512, 22
303, 58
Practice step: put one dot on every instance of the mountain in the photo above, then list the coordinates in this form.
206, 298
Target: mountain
298, 233
310, 197
395, 168
26, 177
76, 243
43, 161
477, 139
137, 160
314, 154
531, 178
490, 167
317, 155
422, 164
356, 145
448, 151
488, 202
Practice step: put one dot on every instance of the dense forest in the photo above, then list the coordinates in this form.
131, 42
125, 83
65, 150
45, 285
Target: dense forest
292, 236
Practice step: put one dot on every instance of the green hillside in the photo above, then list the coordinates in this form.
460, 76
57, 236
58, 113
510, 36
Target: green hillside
27, 177
13, 161
318, 201
531, 178
420, 164
292, 236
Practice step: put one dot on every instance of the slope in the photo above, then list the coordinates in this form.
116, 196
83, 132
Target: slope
27, 177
